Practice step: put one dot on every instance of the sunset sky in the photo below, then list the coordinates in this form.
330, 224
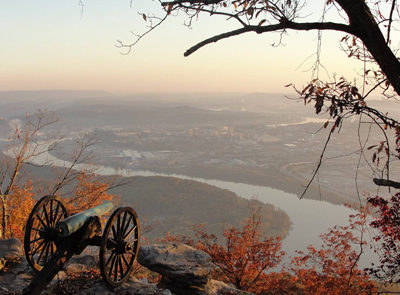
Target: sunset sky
55, 45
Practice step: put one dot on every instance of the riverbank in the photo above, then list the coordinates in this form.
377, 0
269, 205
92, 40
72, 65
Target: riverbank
281, 178
309, 218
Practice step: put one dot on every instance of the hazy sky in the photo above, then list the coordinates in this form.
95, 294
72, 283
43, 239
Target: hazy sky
47, 44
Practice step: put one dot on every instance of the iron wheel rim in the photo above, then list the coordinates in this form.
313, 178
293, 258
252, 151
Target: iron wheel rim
119, 246
40, 234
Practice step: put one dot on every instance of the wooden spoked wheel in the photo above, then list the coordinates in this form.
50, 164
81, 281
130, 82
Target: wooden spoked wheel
40, 233
119, 246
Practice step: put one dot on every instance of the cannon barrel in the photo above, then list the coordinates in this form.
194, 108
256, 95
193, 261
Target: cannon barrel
75, 222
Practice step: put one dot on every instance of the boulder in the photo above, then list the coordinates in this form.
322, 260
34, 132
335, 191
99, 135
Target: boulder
184, 270
16, 277
85, 259
132, 286
220, 288
10, 249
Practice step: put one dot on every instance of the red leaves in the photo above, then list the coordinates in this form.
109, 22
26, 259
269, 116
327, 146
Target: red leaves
246, 255
332, 269
380, 147
88, 193
260, 24
388, 225
319, 102
245, 258
169, 8
375, 156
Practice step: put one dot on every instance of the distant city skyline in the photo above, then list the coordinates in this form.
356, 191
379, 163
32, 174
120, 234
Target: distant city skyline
58, 45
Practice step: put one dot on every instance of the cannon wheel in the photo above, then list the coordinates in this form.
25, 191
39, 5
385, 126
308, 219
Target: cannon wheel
119, 246
40, 232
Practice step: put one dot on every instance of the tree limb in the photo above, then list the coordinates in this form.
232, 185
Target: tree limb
386, 182
390, 21
283, 25
318, 166
200, 2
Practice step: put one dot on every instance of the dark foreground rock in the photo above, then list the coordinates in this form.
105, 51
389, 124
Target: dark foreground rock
10, 249
184, 270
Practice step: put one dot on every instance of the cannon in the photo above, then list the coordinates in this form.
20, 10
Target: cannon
52, 237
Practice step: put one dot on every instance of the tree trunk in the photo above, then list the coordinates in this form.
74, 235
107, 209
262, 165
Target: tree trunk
363, 22
3, 217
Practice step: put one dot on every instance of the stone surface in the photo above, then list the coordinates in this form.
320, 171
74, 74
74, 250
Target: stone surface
3, 262
16, 277
220, 288
9, 250
181, 266
185, 270
132, 286
88, 260
73, 268
166, 292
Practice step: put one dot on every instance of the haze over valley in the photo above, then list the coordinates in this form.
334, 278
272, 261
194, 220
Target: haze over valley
257, 139
261, 139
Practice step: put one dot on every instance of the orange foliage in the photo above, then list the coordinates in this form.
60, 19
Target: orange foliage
246, 260
333, 268
245, 256
20, 204
170, 238
89, 193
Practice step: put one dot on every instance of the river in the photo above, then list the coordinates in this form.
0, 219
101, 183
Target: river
309, 218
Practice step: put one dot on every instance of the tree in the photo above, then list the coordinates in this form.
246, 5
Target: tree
24, 145
21, 202
250, 261
366, 27
245, 255
80, 187
330, 269
89, 192
260, 16
333, 268
367, 30
388, 237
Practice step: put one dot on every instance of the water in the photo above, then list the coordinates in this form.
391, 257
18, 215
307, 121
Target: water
309, 218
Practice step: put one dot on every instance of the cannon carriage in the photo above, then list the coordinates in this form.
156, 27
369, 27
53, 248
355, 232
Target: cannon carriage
52, 237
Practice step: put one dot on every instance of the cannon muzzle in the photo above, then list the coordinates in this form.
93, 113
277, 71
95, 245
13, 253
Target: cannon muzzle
73, 223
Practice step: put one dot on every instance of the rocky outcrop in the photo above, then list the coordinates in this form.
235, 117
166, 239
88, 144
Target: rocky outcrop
184, 270
10, 250
220, 288
132, 286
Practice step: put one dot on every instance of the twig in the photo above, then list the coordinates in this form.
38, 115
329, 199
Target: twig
318, 166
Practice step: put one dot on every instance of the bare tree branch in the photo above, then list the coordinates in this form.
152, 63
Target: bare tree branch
390, 21
283, 25
386, 182
318, 165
